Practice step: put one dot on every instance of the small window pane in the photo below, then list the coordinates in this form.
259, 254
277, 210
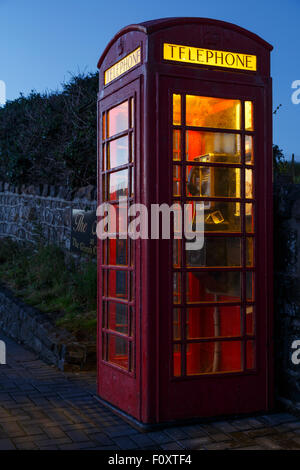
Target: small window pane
117, 351
249, 126
249, 218
177, 288
176, 145
117, 317
176, 324
213, 147
216, 252
177, 360
213, 286
131, 112
176, 110
117, 284
176, 180
250, 286
209, 322
117, 252
250, 319
117, 184
249, 150
117, 119
250, 252
213, 182
202, 111
214, 357
117, 153
249, 184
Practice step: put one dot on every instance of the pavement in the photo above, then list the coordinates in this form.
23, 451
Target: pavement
45, 409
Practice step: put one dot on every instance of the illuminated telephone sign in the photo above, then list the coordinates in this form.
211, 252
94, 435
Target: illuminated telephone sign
185, 118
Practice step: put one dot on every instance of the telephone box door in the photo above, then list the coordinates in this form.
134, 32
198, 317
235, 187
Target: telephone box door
214, 340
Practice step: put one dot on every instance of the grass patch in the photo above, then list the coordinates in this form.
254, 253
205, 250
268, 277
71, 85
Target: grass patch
47, 280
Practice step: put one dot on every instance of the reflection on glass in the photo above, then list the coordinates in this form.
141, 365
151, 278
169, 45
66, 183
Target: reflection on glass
250, 252
249, 151
216, 252
250, 320
176, 324
213, 181
212, 357
250, 286
177, 288
117, 317
117, 351
176, 360
117, 284
176, 253
249, 218
213, 286
213, 147
249, 184
103, 126
117, 119
117, 153
250, 355
219, 113
117, 184
131, 112
249, 126
176, 180
176, 145
176, 110
117, 251
210, 322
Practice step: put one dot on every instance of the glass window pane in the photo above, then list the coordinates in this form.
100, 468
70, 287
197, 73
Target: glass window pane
202, 111
176, 180
250, 354
117, 317
249, 150
213, 147
249, 125
117, 284
250, 252
117, 252
117, 184
176, 145
177, 360
213, 182
213, 286
117, 153
222, 216
214, 357
117, 351
249, 184
250, 319
117, 119
103, 126
177, 288
176, 324
216, 321
249, 212
216, 252
176, 253
176, 110
131, 112
250, 286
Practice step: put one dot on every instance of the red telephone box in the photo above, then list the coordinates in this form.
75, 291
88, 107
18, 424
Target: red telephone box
185, 115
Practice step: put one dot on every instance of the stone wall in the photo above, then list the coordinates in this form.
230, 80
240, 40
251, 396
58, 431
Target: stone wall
287, 291
29, 212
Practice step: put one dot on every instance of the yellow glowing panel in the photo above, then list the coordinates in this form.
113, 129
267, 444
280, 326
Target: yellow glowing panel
176, 110
218, 113
249, 126
199, 56
123, 66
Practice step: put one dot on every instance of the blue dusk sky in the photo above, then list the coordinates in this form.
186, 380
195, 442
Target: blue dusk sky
42, 42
